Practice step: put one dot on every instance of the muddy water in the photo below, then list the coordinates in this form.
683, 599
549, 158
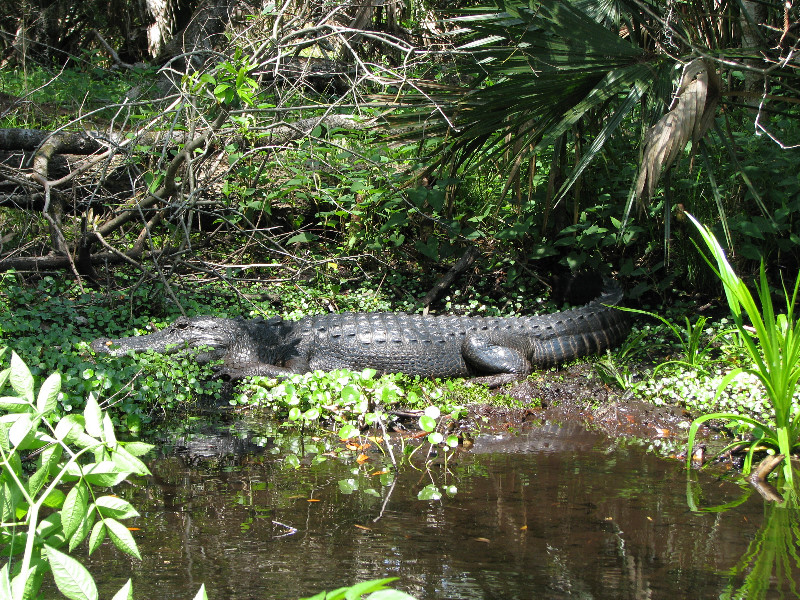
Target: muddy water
552, 513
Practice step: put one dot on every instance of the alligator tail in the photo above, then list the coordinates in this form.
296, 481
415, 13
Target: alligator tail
590, 329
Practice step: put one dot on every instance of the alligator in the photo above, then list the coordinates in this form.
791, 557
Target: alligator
429, 346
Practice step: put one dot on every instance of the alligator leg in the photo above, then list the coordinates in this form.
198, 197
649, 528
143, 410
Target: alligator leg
485, 357
255, 369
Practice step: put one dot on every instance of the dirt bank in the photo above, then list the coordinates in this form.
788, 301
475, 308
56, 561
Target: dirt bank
571, 395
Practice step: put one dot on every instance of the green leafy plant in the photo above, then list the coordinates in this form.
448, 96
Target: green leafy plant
376, 589
691, 341
775, 353
38, 459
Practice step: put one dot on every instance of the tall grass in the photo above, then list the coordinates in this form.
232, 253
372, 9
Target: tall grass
775, 353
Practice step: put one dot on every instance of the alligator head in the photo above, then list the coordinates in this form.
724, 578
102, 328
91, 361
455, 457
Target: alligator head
216, 335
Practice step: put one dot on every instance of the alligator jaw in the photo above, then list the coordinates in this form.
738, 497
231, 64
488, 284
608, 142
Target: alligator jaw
137, 343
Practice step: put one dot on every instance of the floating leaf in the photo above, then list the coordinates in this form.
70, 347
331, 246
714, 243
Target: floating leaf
348, 486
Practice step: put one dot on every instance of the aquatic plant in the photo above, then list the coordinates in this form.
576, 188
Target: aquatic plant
774, 350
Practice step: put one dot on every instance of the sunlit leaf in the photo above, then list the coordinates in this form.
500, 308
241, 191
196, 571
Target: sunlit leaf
125, 592
429, 492
5, 584
122, 537
74, 511
348, 486
435, 438
118, 508
71, 577
21, 378
201, 593
48, 394
98, 535
347, 431
427, 423
93, 416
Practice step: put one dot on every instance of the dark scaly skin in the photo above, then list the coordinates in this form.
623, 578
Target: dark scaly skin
428, 346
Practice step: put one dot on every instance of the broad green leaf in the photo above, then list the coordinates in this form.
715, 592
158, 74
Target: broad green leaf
51, 526
8, 499
55, 499
65, 425
104, 474
52, 454
137, 448
71, 577
22, 431
435, 438
118, 508
427, 423
48, 394
348, 486
37, 480
21, 378
127, 461
125, 592
83, 530
108, 431
347, 431
201, 593
4, 373
429, 492
5, 584
48, 459
350, 394
98, 535
122, 537
356, 591
14, 404
389, 595
93, 416
21, 584
70, 430
75, 506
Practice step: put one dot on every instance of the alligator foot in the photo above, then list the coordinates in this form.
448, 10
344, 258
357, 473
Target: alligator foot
495, 381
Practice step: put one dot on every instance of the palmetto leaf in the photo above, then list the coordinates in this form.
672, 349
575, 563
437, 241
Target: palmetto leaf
537, 72
693, 113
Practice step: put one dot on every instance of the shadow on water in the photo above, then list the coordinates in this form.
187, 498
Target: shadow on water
553, 513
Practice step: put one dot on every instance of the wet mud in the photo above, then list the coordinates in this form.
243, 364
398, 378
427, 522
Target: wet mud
571, 396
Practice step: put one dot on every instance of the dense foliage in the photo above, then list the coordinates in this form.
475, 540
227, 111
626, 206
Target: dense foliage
302, 165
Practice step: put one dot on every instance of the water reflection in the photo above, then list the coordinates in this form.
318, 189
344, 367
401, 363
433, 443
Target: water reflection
554, 513
771, 563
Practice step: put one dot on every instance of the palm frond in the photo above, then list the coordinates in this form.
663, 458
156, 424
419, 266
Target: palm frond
693, 113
